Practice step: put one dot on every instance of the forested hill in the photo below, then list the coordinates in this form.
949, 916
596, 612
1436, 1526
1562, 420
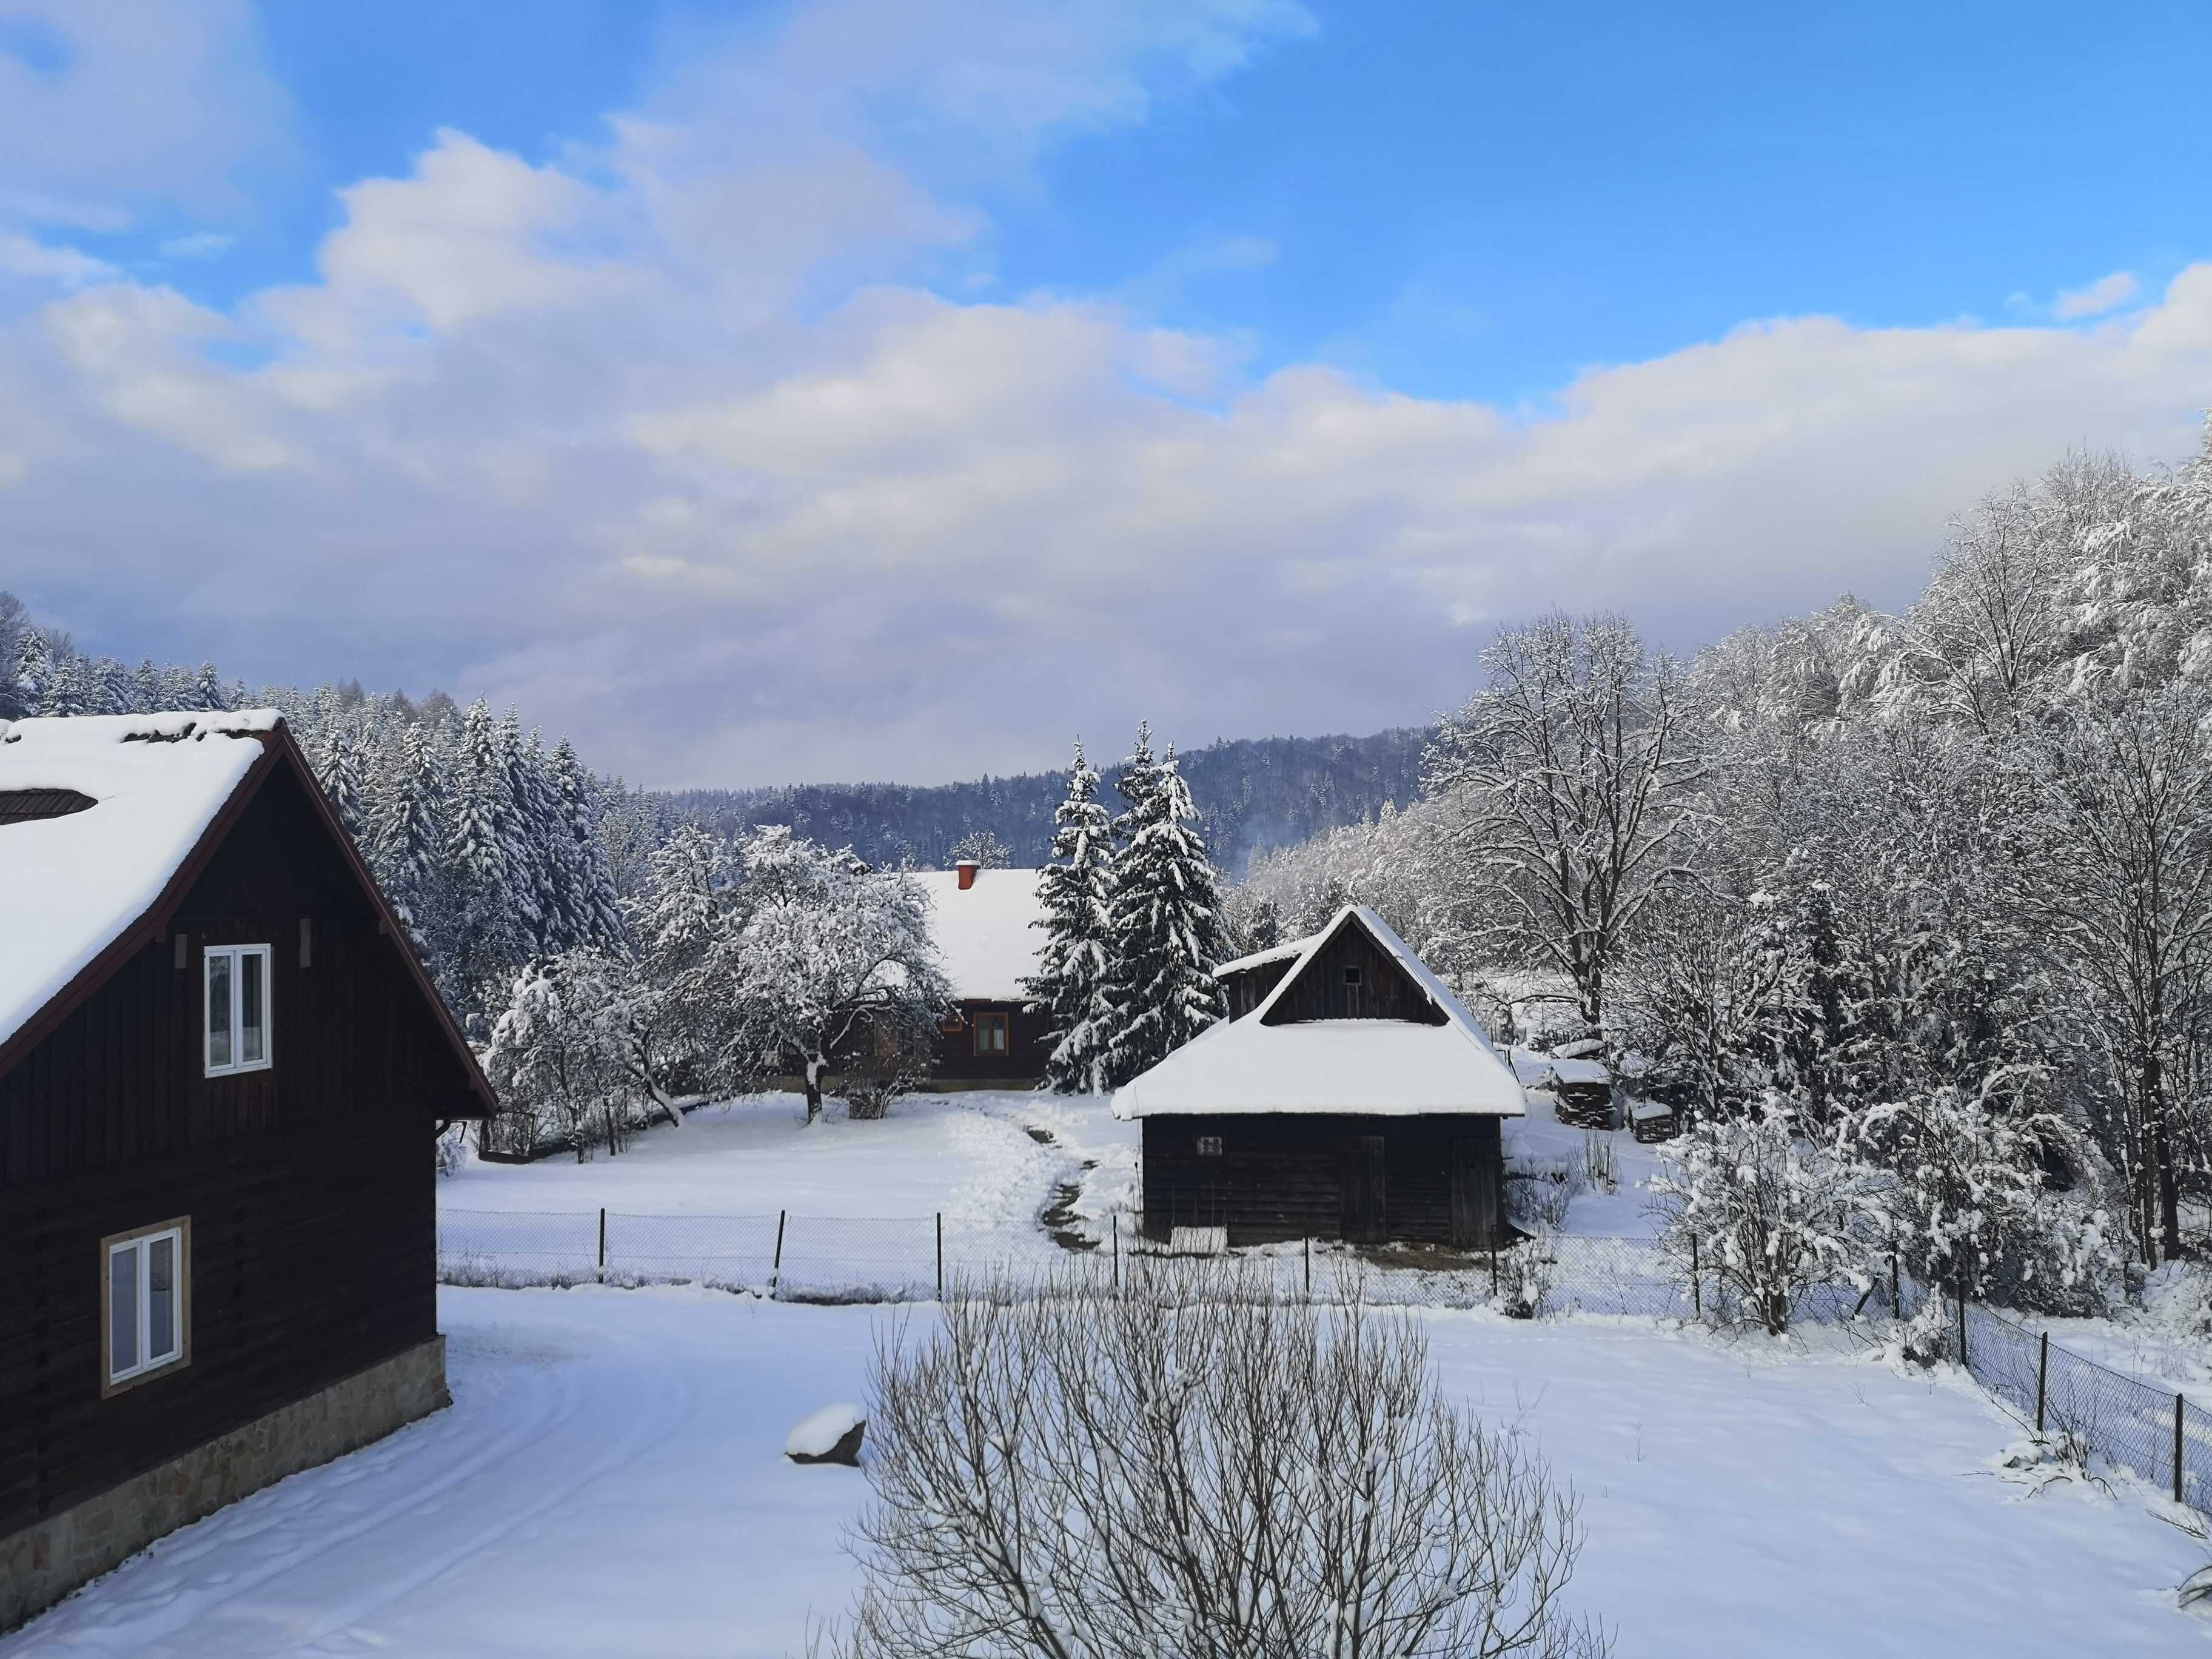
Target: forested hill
1257, 793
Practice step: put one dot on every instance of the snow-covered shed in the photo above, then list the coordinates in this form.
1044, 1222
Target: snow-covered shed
1350, 1094
222, 1072
983, 924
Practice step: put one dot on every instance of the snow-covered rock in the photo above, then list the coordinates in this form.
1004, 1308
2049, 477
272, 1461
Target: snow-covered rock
832, 1435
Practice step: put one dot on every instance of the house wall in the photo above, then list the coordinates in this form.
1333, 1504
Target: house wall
1282, 1176
1021, 1064
310, 1185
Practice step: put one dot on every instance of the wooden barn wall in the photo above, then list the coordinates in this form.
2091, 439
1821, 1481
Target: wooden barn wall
1386, 991
1247, 989
310, 1184
1283, 1175
1026, 1047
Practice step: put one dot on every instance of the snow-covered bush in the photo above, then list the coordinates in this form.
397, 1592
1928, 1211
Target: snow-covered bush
1957, 1179
553, 1064
1763, 1213
1197, 1468
1526, 1273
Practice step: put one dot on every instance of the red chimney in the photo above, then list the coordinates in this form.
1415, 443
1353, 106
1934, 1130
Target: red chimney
967, 867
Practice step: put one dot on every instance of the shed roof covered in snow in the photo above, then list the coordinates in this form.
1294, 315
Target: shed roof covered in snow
983, 932
1384, 1067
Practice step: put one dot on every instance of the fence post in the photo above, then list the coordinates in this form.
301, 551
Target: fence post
775, 1267
1117, 1252
603, 1243
1493, 1267
1963, 1366
2180, 1404
1309, 1267
2042, 1379
1697, 1285
941, 1255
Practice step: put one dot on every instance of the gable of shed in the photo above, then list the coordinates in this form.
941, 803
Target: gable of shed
1351, 976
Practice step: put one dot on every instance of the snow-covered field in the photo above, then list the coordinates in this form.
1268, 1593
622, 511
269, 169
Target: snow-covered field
610, 1481
970, 1156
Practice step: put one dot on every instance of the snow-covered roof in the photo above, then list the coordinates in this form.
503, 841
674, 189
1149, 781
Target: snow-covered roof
984, 933
1379, 1067
70, 886
1261, 959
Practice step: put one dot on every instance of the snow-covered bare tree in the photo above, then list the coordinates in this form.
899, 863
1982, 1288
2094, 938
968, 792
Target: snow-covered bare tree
827, 951
2125, 862
1574, 781
1072, 962
1197, 1469
552, 1060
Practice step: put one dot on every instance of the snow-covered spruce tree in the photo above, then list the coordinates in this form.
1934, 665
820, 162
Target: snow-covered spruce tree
1073, 965
337, 760
1763, 1213
1575, 784
407, 844
16, 628
1198, 1470
1164, 932
494, 915
591, 908
1960, 1188
827, 952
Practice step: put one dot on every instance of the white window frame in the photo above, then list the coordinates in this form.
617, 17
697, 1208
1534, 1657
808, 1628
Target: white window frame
141, 1241
236, 955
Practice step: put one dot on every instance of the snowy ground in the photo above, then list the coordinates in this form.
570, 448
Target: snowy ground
970, 1156
610, 1481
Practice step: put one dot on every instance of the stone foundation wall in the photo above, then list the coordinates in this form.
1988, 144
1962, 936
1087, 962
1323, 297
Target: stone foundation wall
43, 1563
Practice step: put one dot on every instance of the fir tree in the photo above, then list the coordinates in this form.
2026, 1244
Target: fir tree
493, 915
594, 911
1165, 929
208, 690
407, 845
1073, 964
337, 759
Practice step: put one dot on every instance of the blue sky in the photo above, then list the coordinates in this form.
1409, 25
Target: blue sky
595, 354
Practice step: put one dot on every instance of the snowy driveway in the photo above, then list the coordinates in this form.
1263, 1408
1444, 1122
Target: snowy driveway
609, 1482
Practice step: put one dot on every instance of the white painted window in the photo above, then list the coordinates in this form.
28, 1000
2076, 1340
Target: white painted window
236, 1022
146, 1297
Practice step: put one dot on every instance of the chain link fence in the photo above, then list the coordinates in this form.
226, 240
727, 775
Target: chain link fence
2086, 1410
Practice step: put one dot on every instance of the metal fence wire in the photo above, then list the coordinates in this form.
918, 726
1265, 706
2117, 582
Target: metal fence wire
2086, 1409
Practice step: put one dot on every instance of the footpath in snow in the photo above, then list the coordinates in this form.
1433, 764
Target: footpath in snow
612, 1480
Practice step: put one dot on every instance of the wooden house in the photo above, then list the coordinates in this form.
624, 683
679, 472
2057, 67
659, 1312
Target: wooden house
1349, 1095
981, 922
222, 1072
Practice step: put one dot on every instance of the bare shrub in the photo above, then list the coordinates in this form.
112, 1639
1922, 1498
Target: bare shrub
1537, 1195
1196, 1468
1599, 1168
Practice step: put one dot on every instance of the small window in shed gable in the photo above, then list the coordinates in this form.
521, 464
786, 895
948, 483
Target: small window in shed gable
1209, 1145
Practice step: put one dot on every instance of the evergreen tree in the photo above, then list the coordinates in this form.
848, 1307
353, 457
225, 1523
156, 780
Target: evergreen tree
1165, 928
1073, 964
407, 844
337, 759
208, 690
493, 915
34, 668
593, 910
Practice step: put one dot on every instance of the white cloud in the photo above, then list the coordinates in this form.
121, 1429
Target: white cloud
2106, 294
21, 256
152, 101
200, 245
667, 441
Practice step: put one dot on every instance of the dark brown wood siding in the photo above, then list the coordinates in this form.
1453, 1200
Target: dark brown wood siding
310, 1185
1247, 989
1021, 1065
1281, 1176
1385, 990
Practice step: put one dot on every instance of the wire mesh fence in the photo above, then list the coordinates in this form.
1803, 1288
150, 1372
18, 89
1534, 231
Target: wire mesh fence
2089, 1412
2084, 1409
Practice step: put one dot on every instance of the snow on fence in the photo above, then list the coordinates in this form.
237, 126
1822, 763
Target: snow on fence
2089, 1410
2084, 1408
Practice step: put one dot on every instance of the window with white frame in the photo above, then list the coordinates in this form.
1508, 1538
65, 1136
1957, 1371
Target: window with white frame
146, 1293
236, 1024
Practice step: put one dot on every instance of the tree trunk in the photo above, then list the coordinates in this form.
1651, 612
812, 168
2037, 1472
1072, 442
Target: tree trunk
812, 1080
